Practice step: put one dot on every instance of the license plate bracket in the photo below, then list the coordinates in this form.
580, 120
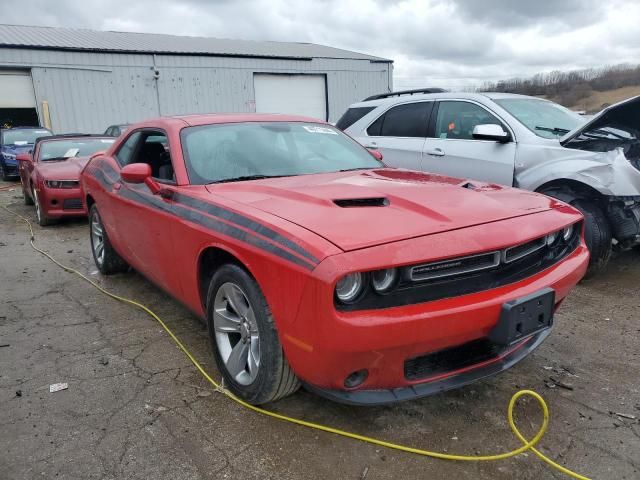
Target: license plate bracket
524, 317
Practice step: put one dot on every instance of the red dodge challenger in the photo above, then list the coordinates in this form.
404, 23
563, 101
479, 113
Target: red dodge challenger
314, 264
50, 174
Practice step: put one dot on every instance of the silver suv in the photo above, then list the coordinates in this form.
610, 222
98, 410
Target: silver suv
521, 141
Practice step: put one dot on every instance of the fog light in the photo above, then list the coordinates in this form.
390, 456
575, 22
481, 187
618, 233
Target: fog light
356, 378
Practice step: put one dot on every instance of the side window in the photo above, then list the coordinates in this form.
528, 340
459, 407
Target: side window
407, 120
125, 152
154, 151
457, 120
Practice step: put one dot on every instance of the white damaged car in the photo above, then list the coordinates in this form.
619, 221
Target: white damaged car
517, 140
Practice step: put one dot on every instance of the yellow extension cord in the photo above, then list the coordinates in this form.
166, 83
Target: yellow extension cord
527, 444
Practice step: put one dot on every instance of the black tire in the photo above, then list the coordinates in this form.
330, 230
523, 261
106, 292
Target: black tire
3, 173
111, 261
597, 230
597, 233
274, 379
25, 196
43, 220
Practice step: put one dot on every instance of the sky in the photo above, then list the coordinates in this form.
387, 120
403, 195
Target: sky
450, 44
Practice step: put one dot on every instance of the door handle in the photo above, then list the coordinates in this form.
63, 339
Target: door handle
436, 152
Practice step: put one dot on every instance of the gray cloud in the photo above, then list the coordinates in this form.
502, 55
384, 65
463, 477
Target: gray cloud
433, 42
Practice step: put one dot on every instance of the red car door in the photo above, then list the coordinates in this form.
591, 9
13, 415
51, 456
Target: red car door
142, 221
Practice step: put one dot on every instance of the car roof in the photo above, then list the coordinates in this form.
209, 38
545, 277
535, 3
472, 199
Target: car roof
213, 118
71, 136
25, 128
478, 96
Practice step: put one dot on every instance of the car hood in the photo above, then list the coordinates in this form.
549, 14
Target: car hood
68, 169
625, 114
360, 209
16, 149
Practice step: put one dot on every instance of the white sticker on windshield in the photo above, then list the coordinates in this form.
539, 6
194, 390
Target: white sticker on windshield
20, 142
104, 140
42, 131
72, 152
314, 129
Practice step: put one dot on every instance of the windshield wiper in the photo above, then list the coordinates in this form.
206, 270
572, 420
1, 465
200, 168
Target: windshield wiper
356, 168
55, 159
247, 177
558, 130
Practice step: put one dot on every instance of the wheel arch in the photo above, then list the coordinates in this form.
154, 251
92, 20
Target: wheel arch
210, 259
567, 189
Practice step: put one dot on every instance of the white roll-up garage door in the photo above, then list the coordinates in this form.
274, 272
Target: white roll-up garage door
294, 94
16, 90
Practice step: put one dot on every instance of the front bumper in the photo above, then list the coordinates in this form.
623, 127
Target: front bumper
442, 383
324, 346
9, 169
624, 215
61, 202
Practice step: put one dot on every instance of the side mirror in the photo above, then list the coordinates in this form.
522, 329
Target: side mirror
375, 153
24, 157
140, 173
97, 154
491, 132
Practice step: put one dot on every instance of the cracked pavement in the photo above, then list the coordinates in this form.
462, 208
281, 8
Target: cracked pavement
136, 408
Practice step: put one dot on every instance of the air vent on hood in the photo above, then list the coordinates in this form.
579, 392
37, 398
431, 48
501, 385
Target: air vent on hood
362, 202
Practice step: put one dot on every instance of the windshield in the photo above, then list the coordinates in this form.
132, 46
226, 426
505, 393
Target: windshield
61, 149
544, 118
243, 151
18, 137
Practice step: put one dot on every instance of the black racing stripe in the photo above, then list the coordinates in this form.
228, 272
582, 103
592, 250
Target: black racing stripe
243, 221
234, 217
212, 224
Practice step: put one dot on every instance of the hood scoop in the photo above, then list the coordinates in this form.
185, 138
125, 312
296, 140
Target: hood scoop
362, 202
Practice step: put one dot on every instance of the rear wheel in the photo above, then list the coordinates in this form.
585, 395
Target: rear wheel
105, 257
244, 338
43, 220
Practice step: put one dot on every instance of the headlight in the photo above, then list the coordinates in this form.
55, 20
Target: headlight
61, 183
551, 238
384, 280
567, 233
349, 287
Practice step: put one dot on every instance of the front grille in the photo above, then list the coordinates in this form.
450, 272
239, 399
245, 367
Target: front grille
451, 359
10, 169
456, 266
464, 275
72, 204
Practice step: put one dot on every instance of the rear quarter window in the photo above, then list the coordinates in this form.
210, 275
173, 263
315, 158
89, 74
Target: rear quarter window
351, 116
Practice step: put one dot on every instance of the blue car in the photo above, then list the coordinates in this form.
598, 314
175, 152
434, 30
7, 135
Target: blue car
14, 141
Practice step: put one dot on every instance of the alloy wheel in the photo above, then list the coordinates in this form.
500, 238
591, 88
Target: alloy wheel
37, 204
97, 238
236, 333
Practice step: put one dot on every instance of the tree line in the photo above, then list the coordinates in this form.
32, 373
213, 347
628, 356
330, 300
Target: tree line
568, 88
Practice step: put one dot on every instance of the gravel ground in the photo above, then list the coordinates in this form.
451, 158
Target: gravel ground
135, 407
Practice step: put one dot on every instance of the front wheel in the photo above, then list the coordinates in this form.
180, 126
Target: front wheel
105, 257
26, 197
43, 220
597, 230
244, 338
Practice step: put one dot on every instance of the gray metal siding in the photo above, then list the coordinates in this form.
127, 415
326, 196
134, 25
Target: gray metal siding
89, 91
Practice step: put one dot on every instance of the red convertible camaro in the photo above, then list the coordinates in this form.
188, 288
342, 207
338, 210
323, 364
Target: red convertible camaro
313, 263
50, 174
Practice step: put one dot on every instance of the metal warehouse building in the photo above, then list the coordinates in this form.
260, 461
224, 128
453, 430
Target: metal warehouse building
84, 80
